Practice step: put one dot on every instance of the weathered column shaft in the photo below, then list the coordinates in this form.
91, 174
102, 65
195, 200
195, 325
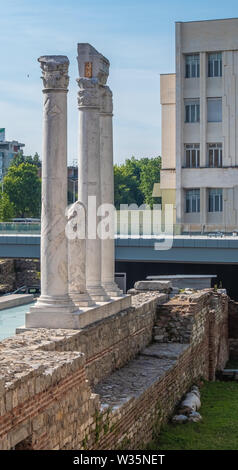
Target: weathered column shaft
54, 256
77, 256
89, 181
107, 190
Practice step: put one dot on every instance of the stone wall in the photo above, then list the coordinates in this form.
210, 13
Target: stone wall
15, 273
26, 271
201, 318
108, 385
7, 276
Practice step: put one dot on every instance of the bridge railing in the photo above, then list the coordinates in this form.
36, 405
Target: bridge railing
140, 227
19, 228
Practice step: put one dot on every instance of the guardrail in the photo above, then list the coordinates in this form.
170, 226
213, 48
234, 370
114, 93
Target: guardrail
18, 227
135, 228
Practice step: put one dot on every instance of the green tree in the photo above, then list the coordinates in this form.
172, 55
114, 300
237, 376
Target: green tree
134, 181
149, 175
23, 187
126, 185
7, 211
19, 158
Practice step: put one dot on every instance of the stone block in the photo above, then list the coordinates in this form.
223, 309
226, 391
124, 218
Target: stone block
160, 286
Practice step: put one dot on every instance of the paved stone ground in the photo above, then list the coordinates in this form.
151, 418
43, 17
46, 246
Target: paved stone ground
134, 378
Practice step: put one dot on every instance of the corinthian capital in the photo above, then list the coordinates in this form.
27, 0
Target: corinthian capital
106, 104
89, 93
54, 72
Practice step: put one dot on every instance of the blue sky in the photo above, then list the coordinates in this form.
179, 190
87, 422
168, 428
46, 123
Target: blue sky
136, 36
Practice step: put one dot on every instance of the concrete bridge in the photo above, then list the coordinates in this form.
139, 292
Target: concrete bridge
185, 249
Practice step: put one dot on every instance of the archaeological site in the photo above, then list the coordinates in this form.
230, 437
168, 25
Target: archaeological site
94, 368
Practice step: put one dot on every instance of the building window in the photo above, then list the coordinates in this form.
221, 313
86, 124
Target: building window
215, 200
193, 200
192, 66
215, 155
214, 110
192, 111
192, 155
215, 65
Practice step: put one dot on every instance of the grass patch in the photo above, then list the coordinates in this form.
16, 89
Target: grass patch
218, 429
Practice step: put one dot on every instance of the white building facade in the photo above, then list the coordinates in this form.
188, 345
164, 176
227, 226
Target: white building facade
203, 167
8, 149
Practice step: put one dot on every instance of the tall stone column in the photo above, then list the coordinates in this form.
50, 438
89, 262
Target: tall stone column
89, 190
107, 190
54, 256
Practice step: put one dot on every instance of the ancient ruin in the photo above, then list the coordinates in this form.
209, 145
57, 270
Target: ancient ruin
93, 368
77, 274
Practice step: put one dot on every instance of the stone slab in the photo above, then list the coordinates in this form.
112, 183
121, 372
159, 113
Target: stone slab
13, 300
193, 281
76, 320
164, 286
132, 380
165, 350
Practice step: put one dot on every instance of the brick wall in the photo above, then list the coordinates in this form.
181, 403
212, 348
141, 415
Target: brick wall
47, 396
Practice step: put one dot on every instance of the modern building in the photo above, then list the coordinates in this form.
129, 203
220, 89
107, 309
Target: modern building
72, 172
200, 126
7, 152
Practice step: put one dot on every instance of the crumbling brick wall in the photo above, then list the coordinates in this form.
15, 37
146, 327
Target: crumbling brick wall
199, 318
46, 395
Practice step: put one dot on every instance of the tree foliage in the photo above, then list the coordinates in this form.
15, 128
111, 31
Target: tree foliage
6, 208
23, 188
20, 158
134, 181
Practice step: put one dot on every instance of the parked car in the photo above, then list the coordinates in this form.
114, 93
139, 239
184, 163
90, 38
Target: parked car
34, 290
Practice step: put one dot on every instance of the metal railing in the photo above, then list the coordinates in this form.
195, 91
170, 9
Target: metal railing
19, 228
140, 228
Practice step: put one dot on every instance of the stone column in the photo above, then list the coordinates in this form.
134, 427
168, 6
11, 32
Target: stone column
89, 189
76, 229
54, 256
107, 190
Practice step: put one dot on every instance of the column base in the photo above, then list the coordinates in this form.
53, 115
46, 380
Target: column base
98, 293
56, 304
82, 299
75, 320
112, 289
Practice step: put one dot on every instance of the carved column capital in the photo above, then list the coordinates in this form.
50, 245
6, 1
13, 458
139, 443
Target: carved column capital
106, 103
89, 93
54, 72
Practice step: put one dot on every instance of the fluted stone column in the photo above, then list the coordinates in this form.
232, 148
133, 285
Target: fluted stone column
107, 190
89, 190
54, 256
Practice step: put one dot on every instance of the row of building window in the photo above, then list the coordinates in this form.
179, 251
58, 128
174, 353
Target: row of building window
214, 65
215, 200
214, 155
214, 110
